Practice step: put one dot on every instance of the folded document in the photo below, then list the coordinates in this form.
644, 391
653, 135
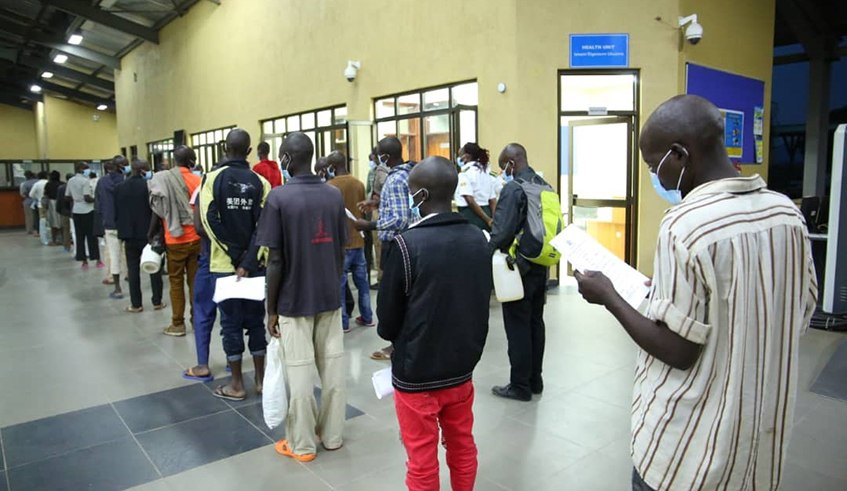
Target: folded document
227, 288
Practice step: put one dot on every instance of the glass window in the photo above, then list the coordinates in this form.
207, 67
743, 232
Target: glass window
436, 99
311, 135
613, 92
388, 128
279, 126
206, 146
466, 95
293, 123
409, 133
199, 139
325, 118
409, 104
384, 108
340, 115
467, 127
268, 127
437, 135
307, 120
219, 135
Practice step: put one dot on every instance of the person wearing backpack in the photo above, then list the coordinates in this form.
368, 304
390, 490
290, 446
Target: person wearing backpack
528, 215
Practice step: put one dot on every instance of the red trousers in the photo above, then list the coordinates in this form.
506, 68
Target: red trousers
420, 415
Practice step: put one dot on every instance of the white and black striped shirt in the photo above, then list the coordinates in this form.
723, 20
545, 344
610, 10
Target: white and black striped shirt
734, 273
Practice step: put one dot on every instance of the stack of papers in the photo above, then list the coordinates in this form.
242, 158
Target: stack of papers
227, 288
586, 254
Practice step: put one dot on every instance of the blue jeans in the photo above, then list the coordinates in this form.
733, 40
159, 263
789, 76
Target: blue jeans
354, 262
237, 316
205, 310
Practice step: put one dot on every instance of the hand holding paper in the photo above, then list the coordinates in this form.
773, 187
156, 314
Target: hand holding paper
586, 254
351, 216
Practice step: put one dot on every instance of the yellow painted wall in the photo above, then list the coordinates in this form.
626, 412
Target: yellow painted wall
71, 132
18, 129
244, 61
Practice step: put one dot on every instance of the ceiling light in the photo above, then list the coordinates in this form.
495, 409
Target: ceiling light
75, 39
60, 58
35, 88
47, 75
102, 107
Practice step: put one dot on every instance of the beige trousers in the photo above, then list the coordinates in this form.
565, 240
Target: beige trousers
308, 342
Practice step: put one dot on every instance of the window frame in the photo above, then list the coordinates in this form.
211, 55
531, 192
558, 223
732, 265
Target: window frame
209, 152
155, 146
452, 110
317, 129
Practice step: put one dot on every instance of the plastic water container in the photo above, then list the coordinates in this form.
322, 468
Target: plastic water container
508, 286
150, 261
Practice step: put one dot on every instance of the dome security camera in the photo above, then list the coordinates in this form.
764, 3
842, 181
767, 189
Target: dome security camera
693, 31
351, 70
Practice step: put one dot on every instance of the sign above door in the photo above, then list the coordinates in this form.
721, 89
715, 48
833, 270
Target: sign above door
599, 50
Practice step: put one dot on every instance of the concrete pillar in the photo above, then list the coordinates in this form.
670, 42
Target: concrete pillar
817, 127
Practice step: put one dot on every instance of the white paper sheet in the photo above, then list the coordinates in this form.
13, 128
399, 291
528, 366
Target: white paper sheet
247, 288
351, 216
586, 254
382, 383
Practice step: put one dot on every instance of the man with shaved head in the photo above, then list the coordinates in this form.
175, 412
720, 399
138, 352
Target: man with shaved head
437, 321
305, 227
524, 318
733, 289
231, 201
170, 192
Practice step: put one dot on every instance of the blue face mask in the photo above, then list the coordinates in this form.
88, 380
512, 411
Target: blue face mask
197, 173
507, 177
126, 170
416, 209
286, 175
372, 164
460, 162
148, 175
330, 173
674, 196
86, 172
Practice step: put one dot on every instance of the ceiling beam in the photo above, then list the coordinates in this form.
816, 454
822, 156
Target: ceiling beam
52, 43
74, 94
19, 93
808, 25
102, 17
803, 57
67, 72
11, 100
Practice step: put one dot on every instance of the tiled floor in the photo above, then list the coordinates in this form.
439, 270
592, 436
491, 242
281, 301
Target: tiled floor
85, 382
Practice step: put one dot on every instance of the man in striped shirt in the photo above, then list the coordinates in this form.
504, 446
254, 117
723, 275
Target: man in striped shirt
733, 289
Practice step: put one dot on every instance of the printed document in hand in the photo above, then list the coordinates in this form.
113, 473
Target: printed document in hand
351, 216
382, 383
247, 288
586, 254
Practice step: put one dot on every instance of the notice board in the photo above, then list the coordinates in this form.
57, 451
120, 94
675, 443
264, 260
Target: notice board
741, 100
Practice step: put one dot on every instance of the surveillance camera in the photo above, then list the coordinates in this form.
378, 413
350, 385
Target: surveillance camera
693, 29
351, 70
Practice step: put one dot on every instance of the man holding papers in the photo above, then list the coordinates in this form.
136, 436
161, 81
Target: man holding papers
733, 288
231, 201
305, 227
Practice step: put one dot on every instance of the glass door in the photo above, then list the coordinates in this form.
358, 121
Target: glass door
599, 172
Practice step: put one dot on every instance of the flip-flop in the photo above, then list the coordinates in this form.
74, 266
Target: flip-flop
116, 295
282, 448
188, 374
380, 355
133, 310
219, 393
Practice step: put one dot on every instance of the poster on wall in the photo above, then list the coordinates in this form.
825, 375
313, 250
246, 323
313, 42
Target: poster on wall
758, 121
733, 132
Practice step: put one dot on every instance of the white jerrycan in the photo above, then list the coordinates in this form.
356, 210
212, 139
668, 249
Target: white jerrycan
508, 286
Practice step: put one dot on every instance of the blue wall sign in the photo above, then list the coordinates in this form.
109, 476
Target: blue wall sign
599, 50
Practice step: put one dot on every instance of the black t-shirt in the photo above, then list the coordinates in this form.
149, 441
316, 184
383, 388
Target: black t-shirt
305, 218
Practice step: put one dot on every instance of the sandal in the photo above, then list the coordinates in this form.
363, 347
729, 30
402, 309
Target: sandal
382, 355
133, 310
282, 448
189, 374
116, 295
219, 393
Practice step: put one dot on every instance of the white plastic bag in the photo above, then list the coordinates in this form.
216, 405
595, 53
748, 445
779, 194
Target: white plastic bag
274, 394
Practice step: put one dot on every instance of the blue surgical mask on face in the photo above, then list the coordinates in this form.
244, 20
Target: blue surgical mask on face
148, 175
507, 177
125, 170
197, 173
86, 172
674, 196
460, 162
416, 209
372, 164
286, 175
330, 173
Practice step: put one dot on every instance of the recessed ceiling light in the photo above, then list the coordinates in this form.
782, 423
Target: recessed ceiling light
102, 107
60, 58
75, 39
47, 75
35, 88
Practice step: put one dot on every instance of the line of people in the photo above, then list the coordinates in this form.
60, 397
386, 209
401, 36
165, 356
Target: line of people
733, 288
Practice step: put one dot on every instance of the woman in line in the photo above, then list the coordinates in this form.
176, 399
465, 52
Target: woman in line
475, 193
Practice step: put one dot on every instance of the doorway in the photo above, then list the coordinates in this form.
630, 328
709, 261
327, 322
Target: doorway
598, 141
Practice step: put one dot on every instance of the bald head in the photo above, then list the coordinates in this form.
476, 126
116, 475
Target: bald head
685, 134
296, 152
391, 149
337, 162
513, 159
185, 156
238, 144
434, 179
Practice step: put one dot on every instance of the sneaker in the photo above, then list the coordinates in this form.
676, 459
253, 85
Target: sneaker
509, 392
361, 322
176, 331
160, 306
